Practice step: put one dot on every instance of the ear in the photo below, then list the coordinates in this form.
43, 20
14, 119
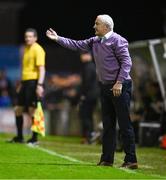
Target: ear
107, 27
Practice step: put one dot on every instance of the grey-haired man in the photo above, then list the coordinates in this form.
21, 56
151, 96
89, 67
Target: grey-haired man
113, 65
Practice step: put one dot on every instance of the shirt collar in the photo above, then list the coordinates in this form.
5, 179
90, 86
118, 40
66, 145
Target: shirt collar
106, 36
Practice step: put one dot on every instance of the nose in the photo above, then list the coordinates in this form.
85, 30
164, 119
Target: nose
94, 26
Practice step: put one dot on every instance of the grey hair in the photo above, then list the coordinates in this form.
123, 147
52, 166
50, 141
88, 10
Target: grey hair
107, 20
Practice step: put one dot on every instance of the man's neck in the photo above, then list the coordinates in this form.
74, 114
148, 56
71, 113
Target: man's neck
30, 45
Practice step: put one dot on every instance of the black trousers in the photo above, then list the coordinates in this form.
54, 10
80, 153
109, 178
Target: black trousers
86, 110
117, 108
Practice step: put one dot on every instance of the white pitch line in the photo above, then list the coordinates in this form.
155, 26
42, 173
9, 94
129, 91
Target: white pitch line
128, 170
56, 154
60, 155
70, 158
83, 162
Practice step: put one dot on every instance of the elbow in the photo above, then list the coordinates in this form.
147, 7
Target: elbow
130, 63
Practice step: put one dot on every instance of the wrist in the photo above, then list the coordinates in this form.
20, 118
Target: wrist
40, 84
118, 82
56, 39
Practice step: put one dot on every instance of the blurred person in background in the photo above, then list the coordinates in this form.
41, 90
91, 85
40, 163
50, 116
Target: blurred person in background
153, 102
31, 86
61, 96
113, 65
88, 96
6, 90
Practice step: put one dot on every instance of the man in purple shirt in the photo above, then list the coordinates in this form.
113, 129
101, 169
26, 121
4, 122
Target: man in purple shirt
113, 64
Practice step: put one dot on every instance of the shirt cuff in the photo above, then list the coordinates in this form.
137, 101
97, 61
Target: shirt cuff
120, 79
59, 39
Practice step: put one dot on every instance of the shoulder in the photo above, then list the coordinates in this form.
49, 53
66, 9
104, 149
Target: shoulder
94, 39
118, 39
37, 47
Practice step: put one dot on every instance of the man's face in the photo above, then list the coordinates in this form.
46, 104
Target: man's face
100, 28
30, 38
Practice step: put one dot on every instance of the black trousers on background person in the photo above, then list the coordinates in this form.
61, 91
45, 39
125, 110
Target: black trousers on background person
86, 110
117, 108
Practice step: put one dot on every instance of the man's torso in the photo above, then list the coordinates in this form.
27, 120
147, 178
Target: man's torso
33, 57
106, 59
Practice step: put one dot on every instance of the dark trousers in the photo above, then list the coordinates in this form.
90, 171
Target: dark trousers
117, 108
86, 109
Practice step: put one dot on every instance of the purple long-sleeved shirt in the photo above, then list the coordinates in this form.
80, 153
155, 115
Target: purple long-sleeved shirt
112, 57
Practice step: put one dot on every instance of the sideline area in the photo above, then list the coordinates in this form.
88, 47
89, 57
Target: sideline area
65, 157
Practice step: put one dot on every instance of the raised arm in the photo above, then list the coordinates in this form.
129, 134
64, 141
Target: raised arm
82, 45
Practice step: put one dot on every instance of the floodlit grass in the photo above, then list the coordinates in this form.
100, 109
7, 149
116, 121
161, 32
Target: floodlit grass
19, 161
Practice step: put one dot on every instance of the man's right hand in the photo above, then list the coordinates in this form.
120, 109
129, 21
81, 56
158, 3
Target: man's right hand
50, 33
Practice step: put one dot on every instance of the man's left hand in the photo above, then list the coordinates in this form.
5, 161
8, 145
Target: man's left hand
117, 89
40, 91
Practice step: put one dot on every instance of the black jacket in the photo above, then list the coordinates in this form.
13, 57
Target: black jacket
89, 85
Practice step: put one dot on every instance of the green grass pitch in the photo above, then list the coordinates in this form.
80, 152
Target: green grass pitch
66, 158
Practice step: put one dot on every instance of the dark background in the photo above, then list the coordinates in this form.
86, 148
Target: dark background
135, 20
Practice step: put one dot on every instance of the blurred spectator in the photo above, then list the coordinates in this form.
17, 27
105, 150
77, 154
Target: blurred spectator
61, 92
5, 100
6, 90
137, 112
61, 86
153, 102
88, 96
147, 105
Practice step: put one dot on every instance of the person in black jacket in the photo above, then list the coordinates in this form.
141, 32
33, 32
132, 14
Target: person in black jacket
88, 96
